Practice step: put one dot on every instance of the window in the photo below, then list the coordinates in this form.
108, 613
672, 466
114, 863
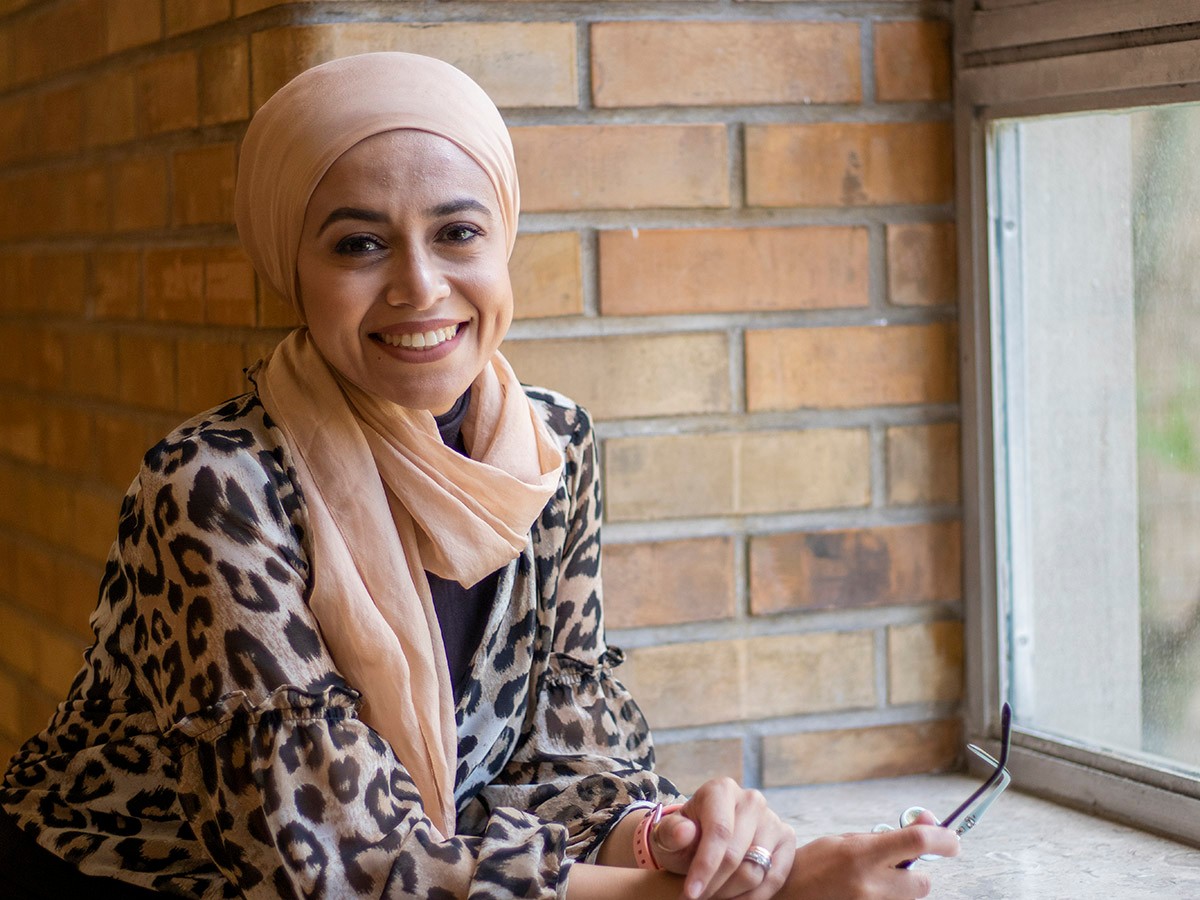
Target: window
1078, 130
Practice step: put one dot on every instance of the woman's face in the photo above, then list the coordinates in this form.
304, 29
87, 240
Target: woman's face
403, 269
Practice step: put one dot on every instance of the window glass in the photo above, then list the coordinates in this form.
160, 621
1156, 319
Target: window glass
1096, 304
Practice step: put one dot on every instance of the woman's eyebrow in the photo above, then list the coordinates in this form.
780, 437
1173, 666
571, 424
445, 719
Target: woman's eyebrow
351, 212
449, 208
465, 204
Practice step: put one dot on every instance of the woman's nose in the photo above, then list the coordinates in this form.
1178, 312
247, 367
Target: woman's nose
414, 279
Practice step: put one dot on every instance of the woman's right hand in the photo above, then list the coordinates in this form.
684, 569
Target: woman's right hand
863, 866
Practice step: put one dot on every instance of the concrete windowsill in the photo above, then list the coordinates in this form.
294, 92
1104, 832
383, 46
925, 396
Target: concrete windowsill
1023, 848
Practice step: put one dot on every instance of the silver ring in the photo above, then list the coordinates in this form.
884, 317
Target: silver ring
759, 856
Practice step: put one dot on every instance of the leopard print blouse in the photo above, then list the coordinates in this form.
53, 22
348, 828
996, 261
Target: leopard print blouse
209, 747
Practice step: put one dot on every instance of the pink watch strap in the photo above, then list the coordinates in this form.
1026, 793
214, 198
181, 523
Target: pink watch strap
642, 851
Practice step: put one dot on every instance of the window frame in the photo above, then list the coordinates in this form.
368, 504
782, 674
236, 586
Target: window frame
1019, 58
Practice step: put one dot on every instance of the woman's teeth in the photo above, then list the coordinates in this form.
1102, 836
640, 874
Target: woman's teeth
420, 340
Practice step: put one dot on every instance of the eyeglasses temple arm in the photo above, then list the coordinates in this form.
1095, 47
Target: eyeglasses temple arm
1005, 730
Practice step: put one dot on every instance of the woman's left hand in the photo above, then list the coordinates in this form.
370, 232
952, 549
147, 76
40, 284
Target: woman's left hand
708, 839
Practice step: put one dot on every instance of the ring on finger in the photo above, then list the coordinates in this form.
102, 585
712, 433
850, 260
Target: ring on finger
760, 856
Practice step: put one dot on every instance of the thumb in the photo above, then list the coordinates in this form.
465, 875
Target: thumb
675, 834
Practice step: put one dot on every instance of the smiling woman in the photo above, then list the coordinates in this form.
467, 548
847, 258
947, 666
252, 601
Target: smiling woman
350, 638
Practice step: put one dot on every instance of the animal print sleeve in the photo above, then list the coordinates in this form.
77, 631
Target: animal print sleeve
586, 751
297, 797
288, 791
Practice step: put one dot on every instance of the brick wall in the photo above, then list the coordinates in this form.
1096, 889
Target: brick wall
737, 251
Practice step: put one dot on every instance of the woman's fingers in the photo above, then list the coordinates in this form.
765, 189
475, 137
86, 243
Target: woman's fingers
672, 836
863, 866
720, 868
916, 840
783, 854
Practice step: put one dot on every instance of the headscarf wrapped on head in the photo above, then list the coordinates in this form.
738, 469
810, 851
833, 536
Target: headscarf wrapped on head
386, 499
321, 113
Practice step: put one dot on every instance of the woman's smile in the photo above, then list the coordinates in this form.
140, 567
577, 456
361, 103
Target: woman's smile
421, 342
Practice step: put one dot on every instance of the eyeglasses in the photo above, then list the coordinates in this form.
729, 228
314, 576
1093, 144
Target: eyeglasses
971, 810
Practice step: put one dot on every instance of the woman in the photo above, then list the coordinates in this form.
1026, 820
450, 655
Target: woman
349, 640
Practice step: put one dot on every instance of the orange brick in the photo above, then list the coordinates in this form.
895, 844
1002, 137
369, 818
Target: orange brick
132, 23
21, 430
570, 167
706, 682
856, 754
667, 582
703, 270
925, 663
175, 284
60, 659
724, 63
228, 287
66, 433
12, 191
121, 442
76, 589
139, 193
36, 582
688, 764
849, 164
116, 284
36, 709
209, 372
92, 364
147, 371
51, 516
245, 7
921, 262
18, 647
67, 201
8, 566
14, 487
61, 115
547, 275
747, 473
10, 715
110, 109
273, 310
912, 60
610, 375
18, 127
56, 38
519, 64
203, 179
829, 368
58, 283
37, 358
225, 82
12, 286
188, 15
168, 93
94, 515
923, 464
856, 568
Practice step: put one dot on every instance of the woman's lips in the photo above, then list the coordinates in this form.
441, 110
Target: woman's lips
419, 340
421, 346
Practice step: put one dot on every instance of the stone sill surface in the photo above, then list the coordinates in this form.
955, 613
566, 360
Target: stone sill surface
1023, 848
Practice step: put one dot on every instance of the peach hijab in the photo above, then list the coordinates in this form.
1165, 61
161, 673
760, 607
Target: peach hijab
386, 499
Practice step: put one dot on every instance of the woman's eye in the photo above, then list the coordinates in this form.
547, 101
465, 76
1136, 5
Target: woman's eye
460, 234
356, 244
